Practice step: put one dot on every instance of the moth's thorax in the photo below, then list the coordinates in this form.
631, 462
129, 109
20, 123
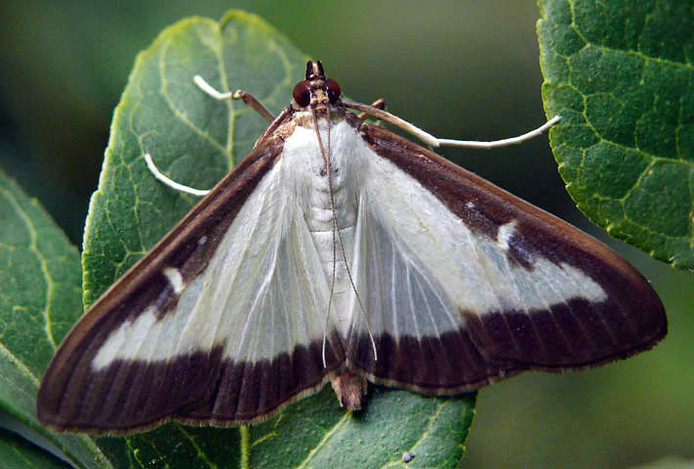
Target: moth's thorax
305, 169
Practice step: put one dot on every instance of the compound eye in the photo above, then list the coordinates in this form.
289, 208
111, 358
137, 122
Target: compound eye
333, 91
302, 95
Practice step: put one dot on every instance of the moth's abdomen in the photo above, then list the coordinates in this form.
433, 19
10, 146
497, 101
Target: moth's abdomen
328, 200
319, 214
335, 247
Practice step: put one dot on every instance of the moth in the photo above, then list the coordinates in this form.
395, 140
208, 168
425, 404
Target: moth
339, 251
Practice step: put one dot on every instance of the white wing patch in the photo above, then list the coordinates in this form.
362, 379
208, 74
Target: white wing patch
399, 294
418, 264
259, 296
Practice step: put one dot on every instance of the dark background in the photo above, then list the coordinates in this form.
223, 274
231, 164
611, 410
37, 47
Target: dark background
459, 69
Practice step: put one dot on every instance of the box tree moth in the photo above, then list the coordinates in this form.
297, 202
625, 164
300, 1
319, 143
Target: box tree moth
337, 250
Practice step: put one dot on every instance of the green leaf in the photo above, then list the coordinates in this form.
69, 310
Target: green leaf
195, 140
40, 298
620, 75
19, 453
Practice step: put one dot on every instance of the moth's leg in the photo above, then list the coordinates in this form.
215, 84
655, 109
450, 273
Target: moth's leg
253, 103
437, 142
172, 184
244, 96
378, 104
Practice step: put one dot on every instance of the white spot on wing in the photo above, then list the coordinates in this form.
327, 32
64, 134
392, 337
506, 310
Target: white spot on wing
504, 235
175, 279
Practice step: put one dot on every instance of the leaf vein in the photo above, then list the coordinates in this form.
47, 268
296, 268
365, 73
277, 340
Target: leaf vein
324, 441
43, 263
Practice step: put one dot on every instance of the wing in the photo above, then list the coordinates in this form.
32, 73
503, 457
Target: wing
463, 283
221, 323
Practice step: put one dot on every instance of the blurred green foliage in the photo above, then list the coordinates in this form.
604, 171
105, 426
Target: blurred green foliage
457, 68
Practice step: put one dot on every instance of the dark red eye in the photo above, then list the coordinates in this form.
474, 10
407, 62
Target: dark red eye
333, 90
302, 95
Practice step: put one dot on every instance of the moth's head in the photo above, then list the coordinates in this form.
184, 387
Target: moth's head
316, 91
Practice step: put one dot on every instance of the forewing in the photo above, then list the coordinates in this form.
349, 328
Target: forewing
221, 323
463, 283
